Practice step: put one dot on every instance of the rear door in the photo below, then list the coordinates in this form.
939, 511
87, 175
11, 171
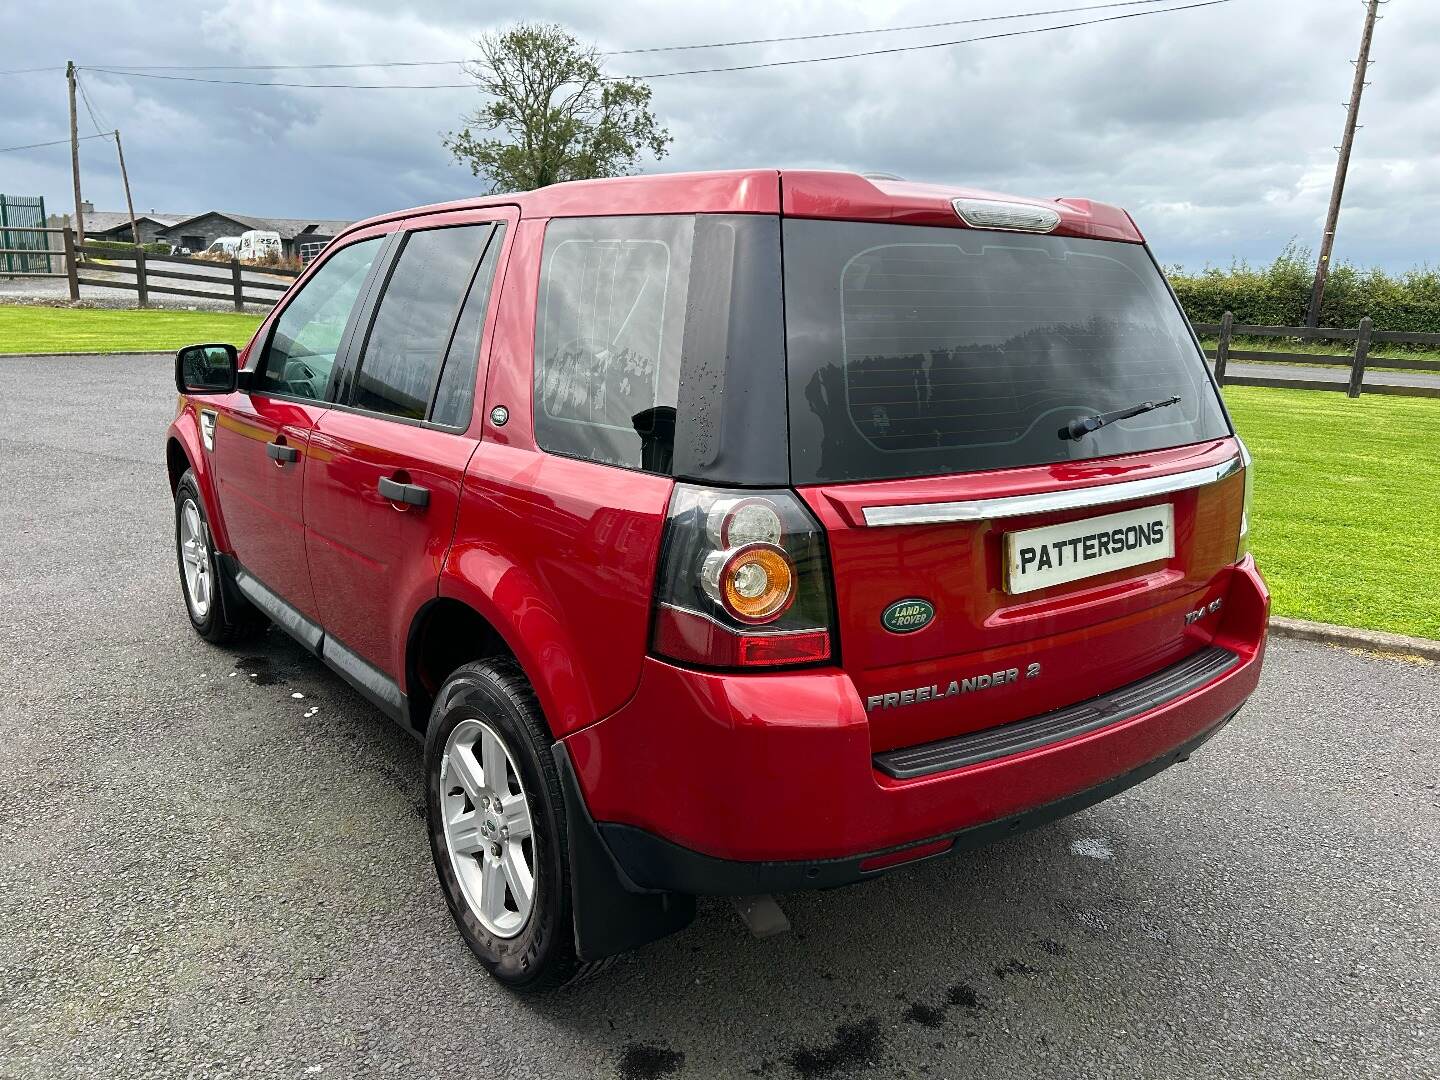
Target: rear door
262, 437
987, 568
384, 483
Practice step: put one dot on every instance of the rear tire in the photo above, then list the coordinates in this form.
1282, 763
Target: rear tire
217, 611
487, 711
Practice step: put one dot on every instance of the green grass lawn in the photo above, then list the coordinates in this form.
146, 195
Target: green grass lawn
103, 330
1346, 516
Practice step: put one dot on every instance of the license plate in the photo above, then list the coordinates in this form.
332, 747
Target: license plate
1040, 558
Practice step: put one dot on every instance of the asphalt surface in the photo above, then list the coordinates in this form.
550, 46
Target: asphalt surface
199, 879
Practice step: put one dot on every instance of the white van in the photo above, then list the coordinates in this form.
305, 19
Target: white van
258, 244
225, 245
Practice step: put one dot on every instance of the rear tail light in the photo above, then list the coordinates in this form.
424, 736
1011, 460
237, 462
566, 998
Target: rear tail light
1242, 548
744, 581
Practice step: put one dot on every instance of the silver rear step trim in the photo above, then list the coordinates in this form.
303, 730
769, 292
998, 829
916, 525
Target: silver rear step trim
1045, 502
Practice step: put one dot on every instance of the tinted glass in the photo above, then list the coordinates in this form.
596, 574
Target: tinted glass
307, 334
414, 322
457, 381
611, 322
921, 351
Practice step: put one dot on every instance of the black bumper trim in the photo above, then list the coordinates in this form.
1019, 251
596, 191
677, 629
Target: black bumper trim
652, 863
1148, 693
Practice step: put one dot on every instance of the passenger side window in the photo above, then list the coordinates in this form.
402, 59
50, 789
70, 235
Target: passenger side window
307, 334
454, 398
415, 326
610, 327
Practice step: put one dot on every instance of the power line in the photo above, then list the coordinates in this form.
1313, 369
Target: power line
88, 107
883, 29
651, 49
56, 142
932, 45
27, 71
693, 71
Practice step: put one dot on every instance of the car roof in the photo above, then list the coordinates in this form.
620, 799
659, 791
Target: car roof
808, 193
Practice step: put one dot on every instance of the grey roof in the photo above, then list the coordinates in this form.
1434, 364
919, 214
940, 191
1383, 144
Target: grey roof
104, 221
288, 228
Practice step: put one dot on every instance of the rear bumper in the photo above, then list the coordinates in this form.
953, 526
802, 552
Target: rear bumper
707, 783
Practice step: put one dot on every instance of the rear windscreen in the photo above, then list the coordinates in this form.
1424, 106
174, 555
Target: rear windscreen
921, 351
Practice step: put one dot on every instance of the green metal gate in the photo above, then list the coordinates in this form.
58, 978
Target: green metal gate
21, 212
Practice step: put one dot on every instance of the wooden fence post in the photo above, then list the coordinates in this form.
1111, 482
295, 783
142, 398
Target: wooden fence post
1362, 350
1222, 347
142, 286
236, 284
72, 272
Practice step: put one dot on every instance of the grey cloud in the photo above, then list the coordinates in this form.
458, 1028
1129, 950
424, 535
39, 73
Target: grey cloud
1213, 127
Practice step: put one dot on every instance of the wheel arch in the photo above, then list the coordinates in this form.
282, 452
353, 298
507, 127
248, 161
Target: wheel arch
520, 614
183, 451
444, 634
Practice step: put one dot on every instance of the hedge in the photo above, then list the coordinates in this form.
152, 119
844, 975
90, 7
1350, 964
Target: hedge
1279, 294
121, 248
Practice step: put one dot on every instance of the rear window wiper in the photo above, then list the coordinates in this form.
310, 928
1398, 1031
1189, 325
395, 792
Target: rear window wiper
1083, 425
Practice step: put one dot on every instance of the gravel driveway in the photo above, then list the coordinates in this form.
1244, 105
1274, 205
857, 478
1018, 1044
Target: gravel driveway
202, 875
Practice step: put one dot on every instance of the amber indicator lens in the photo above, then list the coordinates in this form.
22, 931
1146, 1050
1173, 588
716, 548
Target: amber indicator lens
754, 583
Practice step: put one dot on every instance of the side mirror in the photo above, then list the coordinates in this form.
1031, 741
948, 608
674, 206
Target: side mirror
206, 369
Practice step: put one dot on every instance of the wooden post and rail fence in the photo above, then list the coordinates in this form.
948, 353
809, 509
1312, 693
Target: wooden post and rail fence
1359, 361
144, 274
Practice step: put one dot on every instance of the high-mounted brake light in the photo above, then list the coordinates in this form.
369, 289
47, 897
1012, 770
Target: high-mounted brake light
1011, 217
744, 581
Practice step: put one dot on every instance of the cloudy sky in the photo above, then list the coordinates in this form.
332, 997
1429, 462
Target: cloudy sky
1214, 126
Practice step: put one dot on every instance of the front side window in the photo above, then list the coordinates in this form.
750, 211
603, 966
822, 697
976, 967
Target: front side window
919, 351
415, 323
307, 334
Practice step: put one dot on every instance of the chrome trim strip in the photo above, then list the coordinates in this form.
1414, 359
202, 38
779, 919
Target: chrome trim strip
1047, 501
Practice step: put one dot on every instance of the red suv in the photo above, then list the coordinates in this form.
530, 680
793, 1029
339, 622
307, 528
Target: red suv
730, 533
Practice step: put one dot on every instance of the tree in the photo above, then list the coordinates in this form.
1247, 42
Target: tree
556, 114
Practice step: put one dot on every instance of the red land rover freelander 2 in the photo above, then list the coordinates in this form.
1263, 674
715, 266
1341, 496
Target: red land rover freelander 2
730, 533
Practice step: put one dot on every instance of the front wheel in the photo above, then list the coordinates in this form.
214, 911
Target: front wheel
497, 826
218, 615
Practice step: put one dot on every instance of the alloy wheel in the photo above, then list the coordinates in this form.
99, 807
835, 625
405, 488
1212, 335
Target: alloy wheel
488, 831
195, 560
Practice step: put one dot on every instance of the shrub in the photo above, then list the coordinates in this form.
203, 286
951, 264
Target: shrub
121, 248
1279, 294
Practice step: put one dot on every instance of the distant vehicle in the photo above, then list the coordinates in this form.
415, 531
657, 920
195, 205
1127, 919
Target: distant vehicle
258, 244
226, 245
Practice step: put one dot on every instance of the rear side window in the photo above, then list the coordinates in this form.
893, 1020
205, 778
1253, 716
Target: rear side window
922, 351
302, 346
415, 324
611, 324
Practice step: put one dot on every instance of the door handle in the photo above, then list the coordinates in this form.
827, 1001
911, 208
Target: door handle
282, 453
409, 494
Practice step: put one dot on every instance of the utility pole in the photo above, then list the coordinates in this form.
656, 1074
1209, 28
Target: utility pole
75, 154
1332, 216
125, 178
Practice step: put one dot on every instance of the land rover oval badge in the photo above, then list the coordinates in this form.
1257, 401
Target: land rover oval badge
907, 616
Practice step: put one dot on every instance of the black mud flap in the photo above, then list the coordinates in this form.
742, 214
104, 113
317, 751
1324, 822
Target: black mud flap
612, 915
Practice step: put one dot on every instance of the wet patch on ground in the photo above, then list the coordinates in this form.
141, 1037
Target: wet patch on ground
648, 1061
855, 1045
